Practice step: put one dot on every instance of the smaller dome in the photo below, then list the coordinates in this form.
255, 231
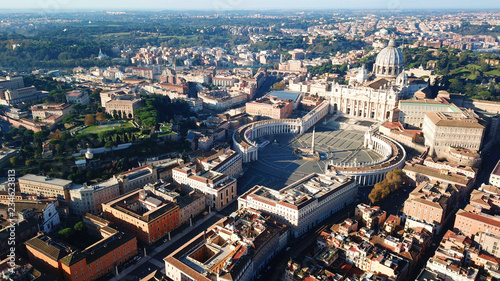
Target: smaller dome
362, 75
89, 154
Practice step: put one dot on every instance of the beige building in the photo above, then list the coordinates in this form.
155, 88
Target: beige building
431, 202
495, 175
77, 97
10, 82
235, 248
12, 91
89, 199
472, 223
271, 107
20, 95
219, 189
419, 173
136, 178
165, 167
107, 96
223, 81
45, 110
190, 202
490, 243
371, 217
225, 161
458, 129
222, 99
123, 107
45, 187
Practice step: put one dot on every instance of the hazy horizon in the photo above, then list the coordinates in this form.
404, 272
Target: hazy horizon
235, 5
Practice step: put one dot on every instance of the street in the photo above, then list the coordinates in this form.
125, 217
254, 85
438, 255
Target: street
156, 261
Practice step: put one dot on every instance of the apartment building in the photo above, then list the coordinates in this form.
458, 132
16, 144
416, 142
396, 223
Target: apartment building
191, 202
431, 202
219, 189
147, 216
371, 217
472, 223
419, 173
495, 175
235, 248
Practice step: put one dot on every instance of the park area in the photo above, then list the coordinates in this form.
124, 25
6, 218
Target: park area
96, 129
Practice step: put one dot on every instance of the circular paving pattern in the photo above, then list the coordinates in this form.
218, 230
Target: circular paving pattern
277, 166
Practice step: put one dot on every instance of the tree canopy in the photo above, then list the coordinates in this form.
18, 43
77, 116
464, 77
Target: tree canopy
393, 180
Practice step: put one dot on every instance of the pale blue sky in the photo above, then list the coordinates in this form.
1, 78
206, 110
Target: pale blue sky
55, 5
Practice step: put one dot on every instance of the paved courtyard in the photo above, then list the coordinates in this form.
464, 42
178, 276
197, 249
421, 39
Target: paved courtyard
278, 166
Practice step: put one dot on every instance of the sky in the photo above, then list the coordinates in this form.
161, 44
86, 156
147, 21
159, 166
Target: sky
119, 5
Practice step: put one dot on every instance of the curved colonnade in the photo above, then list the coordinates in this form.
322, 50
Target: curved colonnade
244, 138
394, 158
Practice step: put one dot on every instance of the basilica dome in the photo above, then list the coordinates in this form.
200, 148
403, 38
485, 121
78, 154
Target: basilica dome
390, 61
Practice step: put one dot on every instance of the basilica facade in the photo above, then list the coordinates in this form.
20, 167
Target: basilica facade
373, 95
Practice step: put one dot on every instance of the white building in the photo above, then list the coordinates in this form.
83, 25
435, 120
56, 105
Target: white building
45, 212
302, 204
77, 97
225, 161
450, 272
88, 199
412, 111
495, 176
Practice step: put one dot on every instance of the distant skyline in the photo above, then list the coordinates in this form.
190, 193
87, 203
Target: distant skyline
120, 5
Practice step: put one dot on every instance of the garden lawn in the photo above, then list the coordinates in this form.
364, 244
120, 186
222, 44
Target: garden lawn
95, 129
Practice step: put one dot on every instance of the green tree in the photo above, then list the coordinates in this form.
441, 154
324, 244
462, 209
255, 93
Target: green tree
14, 161
108, 144
79, 107
279, 86
80, 226
70, 118
66, 233
485, 67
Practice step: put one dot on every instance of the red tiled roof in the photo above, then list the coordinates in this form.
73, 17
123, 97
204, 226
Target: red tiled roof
479, 218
